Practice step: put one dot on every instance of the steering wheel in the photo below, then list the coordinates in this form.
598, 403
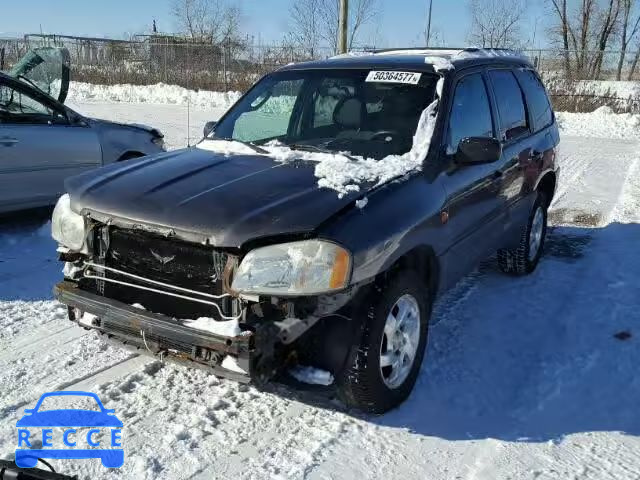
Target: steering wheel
384, 135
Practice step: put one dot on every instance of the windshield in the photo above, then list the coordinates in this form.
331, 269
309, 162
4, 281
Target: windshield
351, 111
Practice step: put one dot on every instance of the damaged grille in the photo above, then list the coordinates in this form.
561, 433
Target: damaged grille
191, 266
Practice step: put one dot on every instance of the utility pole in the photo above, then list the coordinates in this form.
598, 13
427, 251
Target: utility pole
342, 27
429, 23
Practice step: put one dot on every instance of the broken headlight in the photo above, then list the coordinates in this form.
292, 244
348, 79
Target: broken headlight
67, 227
309, 267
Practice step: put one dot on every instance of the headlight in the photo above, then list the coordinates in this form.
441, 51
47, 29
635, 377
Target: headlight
298, 268
67, 227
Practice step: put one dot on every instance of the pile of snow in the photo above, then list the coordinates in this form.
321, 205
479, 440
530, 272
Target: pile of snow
159, 93
311, 375
229, 328
602, 123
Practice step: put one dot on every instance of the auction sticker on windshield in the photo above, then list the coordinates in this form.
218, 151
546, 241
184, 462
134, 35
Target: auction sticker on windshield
394, 77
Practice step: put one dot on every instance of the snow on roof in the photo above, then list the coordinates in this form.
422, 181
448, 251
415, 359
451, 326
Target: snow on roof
439, 56
490, 53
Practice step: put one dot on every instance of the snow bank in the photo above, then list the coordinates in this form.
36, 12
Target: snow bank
159, 93
602, 123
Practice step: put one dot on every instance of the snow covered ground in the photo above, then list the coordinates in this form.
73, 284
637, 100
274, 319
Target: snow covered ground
523, 377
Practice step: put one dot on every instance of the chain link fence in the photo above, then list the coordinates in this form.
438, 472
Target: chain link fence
164, 59
577, 81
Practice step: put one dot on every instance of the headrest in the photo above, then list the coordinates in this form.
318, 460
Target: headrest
348, 113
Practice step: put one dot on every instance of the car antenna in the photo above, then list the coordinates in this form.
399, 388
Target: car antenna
188, 119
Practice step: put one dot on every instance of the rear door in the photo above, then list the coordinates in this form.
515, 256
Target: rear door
519, 146
474, 209
39, 147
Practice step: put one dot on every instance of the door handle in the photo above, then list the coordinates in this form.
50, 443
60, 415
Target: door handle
497, 175
8, 141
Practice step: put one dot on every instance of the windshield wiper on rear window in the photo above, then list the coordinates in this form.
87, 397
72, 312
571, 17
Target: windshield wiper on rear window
252, 146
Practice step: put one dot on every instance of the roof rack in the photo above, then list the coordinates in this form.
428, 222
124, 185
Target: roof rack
435, 49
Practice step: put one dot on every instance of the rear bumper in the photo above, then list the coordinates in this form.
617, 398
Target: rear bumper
159, 335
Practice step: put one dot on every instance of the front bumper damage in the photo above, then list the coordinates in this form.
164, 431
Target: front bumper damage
159, 335
269, 341
177, 282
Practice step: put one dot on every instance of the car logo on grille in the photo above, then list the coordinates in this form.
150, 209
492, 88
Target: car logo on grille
161, 259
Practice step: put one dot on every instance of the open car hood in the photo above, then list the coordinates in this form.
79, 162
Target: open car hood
46, 68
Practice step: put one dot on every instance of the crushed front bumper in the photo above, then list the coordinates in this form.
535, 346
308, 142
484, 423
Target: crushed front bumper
159, 335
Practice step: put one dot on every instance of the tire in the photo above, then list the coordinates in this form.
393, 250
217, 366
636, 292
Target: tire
366, 385
522, 260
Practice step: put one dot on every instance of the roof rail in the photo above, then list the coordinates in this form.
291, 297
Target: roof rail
462, 49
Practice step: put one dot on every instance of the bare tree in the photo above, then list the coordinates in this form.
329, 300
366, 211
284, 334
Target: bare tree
586, 33
211, 21
629, 29
307, 25
608, 24
496, 23
636, 60
315, 22
560, 7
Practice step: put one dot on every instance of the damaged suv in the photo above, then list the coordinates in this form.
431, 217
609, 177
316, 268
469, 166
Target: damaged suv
318, 220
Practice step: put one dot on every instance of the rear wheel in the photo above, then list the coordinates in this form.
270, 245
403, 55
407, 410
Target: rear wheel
385, 359
524, 259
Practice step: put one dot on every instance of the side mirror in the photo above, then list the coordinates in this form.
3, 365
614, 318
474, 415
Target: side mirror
477, 150
208, 128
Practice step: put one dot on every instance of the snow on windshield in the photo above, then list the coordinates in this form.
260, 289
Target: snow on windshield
342, 172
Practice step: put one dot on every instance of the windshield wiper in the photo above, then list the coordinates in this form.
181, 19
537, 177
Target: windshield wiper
252, 146
314, 148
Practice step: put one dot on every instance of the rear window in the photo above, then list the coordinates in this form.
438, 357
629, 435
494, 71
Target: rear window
537, 99
513, 115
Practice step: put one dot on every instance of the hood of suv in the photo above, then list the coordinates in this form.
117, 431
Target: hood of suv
227, 200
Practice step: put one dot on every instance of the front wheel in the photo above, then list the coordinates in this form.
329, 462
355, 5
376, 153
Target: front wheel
385, 359
524, 259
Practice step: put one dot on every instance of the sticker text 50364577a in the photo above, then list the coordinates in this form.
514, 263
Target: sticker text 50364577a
394, 77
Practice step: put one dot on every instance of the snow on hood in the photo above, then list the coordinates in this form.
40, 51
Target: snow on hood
226, 147
341, 172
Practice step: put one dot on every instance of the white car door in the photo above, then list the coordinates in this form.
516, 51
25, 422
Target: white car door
39, 147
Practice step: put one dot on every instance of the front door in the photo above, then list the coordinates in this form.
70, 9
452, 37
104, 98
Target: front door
39, 147
474, 210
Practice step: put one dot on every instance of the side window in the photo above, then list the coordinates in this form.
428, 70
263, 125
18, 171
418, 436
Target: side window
470, 113
537, 99
513, 116
270, 113
18, 107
